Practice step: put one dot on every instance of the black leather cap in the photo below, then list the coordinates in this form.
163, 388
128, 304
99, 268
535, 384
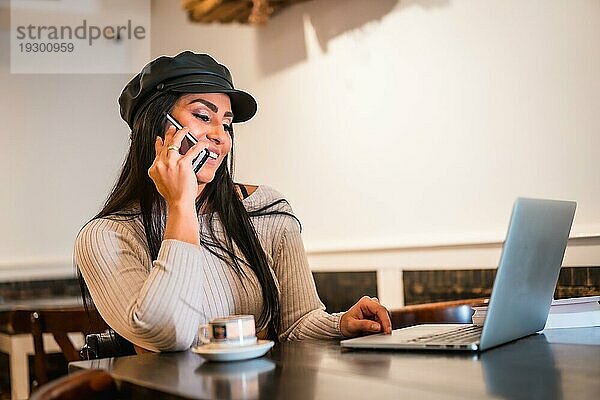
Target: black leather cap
187, 72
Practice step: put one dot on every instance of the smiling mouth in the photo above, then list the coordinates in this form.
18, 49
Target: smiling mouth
213, 155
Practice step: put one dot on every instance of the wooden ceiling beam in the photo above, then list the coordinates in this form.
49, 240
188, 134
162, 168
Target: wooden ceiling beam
226, 11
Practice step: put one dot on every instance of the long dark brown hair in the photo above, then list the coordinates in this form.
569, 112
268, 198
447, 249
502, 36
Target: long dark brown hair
135, 194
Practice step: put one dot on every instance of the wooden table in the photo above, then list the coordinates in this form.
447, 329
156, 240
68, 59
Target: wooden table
16, 339
561, 363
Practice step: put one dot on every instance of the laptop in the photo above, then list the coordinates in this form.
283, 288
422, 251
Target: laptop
523, 289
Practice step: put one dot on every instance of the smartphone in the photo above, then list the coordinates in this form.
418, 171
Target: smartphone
204, 155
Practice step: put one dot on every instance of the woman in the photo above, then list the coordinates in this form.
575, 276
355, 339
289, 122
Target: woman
172, 249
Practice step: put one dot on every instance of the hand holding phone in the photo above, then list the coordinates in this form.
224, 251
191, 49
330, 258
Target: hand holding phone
204, 155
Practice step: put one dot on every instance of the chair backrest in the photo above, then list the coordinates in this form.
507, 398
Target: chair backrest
60, 322
457, 311
90, 384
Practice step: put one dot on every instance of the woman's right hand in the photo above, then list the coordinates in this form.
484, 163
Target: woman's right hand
172, 172
176, 182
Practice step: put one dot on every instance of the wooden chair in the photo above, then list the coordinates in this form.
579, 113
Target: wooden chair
91, 384
456, 311
60, 322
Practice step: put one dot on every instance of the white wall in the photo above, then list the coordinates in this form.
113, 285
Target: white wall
62, 144
392, 126
423, 119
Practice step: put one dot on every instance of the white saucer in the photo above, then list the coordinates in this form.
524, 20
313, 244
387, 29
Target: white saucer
218, 353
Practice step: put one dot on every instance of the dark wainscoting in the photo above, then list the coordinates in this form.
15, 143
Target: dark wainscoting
22, 290
429, 286
578, 282
442, 285
340, 290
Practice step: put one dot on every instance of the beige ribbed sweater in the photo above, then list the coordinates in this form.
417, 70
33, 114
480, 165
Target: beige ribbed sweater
159, 304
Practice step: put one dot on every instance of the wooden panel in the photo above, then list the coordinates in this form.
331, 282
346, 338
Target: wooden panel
578, 282
443, 285
340, 290
47, 288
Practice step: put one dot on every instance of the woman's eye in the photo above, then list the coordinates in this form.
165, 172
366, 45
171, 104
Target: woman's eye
227, 128
202, 117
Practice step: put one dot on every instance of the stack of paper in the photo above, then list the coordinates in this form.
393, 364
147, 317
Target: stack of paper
577, 312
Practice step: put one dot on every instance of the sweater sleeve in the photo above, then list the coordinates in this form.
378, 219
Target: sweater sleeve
153, 304
303, 314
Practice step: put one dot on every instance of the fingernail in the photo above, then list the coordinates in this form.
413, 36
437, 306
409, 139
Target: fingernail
374, 326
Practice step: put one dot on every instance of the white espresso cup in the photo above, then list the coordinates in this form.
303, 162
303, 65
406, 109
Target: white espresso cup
234, 330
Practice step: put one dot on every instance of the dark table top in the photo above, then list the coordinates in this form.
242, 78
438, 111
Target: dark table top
560, 363
15, 314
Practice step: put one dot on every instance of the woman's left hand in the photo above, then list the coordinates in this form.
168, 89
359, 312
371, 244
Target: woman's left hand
367, 316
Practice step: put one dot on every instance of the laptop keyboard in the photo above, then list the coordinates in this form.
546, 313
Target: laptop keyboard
463, 335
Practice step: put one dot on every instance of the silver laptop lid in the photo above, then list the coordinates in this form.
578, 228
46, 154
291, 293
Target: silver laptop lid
528, 270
